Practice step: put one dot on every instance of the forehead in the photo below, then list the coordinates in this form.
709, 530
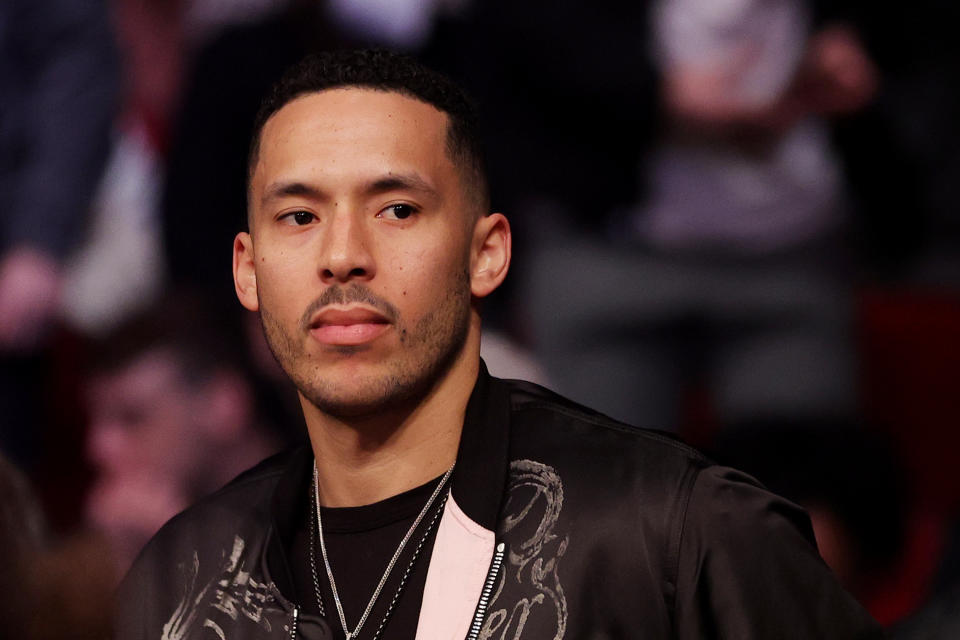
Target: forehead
338, 131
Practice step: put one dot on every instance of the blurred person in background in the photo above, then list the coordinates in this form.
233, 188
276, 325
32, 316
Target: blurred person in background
58, 79
903, 152
731, 271
121, 267
172, 418
118, 268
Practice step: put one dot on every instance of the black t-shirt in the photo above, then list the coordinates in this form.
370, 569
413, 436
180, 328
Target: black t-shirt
360, 542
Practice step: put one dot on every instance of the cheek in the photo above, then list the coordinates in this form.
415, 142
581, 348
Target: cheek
426, 274
278, 282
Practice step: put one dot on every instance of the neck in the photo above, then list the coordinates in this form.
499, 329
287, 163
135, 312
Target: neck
365, 459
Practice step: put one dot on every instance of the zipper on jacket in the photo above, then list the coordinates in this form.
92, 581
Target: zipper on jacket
295, 623
487, 591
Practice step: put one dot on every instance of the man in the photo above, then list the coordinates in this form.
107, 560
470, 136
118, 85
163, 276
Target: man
172, 417
435, 501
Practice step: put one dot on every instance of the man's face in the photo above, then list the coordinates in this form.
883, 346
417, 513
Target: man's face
146, 442
360, 245
143, 421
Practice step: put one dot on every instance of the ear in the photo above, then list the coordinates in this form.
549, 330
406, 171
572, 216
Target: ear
490, 254
244, 271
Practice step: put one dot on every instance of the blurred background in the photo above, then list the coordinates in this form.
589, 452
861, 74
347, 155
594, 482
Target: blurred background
737, 221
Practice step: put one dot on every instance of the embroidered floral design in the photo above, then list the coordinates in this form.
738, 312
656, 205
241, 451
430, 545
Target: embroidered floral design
534, 502
232, 592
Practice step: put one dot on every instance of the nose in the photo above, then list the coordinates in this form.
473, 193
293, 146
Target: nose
346, 252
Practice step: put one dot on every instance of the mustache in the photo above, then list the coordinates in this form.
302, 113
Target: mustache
355, 293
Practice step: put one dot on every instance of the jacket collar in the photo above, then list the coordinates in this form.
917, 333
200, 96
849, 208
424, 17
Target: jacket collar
290, 497
482, 458
477, 484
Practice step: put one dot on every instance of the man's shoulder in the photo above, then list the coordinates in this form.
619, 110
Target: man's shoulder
541, 414
602, 464
618, 463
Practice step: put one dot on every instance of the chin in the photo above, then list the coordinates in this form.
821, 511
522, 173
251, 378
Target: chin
359, 397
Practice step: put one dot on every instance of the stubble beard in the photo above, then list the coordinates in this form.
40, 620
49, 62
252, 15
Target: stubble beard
425, 354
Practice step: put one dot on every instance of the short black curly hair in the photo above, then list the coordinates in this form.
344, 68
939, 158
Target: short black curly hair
383, 70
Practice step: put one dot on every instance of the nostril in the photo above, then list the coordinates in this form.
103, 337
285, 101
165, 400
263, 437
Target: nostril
342, 275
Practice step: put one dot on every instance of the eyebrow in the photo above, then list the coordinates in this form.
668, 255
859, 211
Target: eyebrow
287, 189
400, 181
384, 184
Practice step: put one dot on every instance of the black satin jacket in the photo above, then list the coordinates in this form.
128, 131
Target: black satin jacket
561, 524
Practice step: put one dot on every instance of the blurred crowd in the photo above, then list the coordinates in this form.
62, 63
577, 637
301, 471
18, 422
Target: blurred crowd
735, 221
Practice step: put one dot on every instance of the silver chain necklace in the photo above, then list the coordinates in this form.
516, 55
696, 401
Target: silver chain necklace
350, 635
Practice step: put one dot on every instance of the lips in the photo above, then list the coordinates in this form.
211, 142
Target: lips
348, 326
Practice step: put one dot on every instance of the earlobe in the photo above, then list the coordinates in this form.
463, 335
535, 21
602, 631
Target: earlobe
490, 258
244, 272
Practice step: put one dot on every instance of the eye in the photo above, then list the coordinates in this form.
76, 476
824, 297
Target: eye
399, 211
298, 218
